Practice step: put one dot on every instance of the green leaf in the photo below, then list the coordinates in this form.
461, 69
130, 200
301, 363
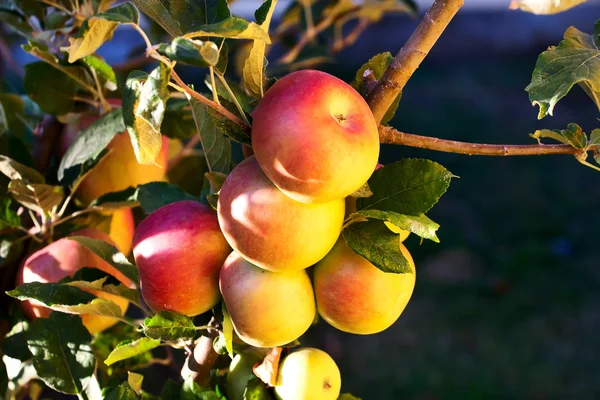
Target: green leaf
254, 66
419, 225
87, 148
347, 396
575, 60
376, 243
181, 16
125, 13
38, 197
227, 331
103, 70
256, 390
545, 7
15, 342
110, 254
226, 126
378, 64
8, 216
12, 110
93, 34
53, 295
144, 103
410, 186
573, 136
231, 28
122, 392
50, 88
150, 196
62, 355
120, 290
216, 147
192, 391
191, 52
216, 180
131, 349
178, 122
170, 390
17, 171
169, 327
3, 378
10, 250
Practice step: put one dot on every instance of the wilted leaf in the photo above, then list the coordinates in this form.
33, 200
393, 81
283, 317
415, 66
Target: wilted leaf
364, 191
419, 225
267, 370
575, 60
93, 34
38, 197
88, 146
376, 243
410, 186
254, 67
191, 52
62, 354
231, 28
170, 327
131, 349
111, 255
50, 88
544, 7
573, 136
135, 381
15, 170
216, 147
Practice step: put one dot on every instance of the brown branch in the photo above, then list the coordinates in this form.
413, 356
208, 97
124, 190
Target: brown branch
201, 360
352, 37
390, 135
411, 55
219, 108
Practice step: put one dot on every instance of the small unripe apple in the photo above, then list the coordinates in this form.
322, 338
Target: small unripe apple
64, 258
179, 250
267, 309
315, 137
270, 229
308, 374
355, 296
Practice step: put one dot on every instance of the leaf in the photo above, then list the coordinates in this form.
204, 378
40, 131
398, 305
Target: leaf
267, 370
410, 186
131, 349
110, 254
256, 390
144, 103
17, 171
125, 13
347, 396
216, 147
227, 331
8, 216
3, 378
150, 196
378, 64
227, 127
51, 294
38, 197
216, 180
170, 390
50, 88
87, 148
573, 136
231, 28
544, 7
181, 16
62, 355
170, 327
178, 122
191, 52
120, 290
192, 391
376, 243
254, 67
93, 34
103, 70
419, 225
375, 10
122, 392
363, 191
135, 381
575, 60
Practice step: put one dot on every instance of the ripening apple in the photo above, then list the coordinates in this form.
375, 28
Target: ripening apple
122, 227
118, 169
267, 308
270, 229
355, 296
315, 137
179, 250
308, 374
64, 258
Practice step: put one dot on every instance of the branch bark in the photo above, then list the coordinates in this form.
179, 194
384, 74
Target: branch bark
390, 135
411, 55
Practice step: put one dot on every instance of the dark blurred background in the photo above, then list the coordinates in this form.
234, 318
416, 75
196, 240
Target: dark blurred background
508, 305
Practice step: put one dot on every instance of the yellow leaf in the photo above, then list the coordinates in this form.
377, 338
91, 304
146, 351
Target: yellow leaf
98, 32
544, 7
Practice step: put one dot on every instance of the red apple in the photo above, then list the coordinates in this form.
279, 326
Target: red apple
179, 250
315, 137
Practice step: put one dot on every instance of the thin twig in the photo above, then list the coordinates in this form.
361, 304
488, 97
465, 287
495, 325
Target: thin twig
214, 87
411, 55
232, 95
390, 135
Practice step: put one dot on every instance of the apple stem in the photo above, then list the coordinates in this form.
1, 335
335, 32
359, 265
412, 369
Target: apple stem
411, 55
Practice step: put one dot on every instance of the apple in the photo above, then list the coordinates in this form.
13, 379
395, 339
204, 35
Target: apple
118, 169
270, 229
315, 137
179, 250
267, 309
122, 227
64, 258
355, 296
308, 374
